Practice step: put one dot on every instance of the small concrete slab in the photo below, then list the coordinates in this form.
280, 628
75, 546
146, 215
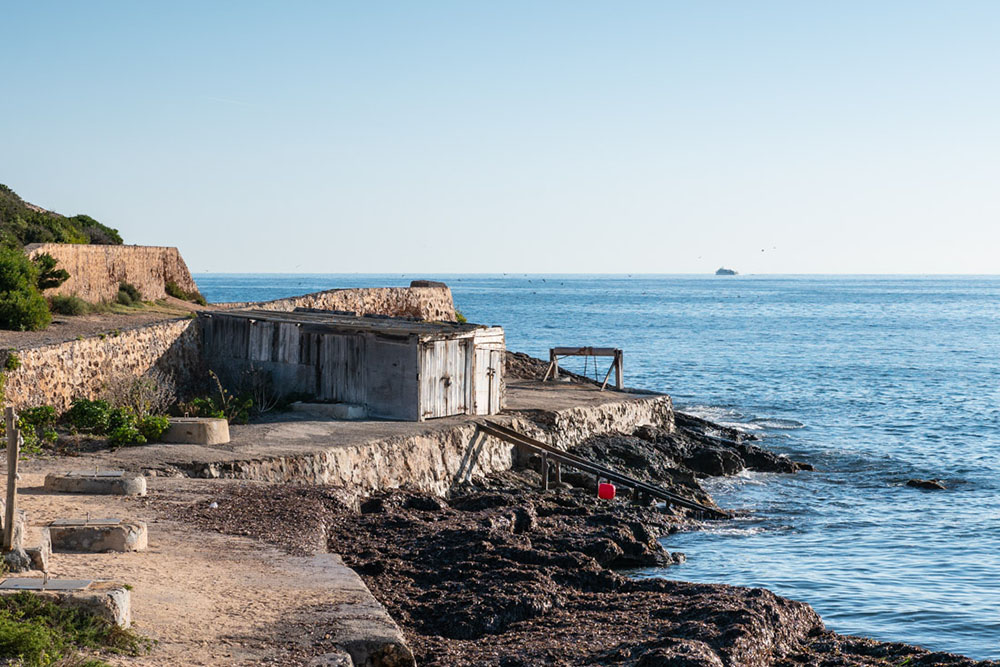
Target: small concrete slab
106, 482
36, 584
348, 411
103, 599
85, 522
197, 431
97, 535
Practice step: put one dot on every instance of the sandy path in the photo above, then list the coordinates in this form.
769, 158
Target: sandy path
207, 599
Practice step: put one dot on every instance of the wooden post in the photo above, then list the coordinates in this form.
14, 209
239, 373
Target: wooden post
13, 452
545, 472
554, 360
619, 375
558, 473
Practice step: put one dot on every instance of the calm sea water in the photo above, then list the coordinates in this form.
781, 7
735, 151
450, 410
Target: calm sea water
872, 379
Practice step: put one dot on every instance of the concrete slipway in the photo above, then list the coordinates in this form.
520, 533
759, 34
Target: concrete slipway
212, 599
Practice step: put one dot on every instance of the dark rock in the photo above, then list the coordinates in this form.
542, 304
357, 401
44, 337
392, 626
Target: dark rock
714, 462
425, 503
929, 484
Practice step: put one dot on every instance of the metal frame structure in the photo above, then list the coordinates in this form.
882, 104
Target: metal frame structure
617, 362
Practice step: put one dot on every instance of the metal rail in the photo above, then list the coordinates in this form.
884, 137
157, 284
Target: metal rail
583, 465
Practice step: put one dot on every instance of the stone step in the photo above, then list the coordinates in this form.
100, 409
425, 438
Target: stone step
106, 482
97, 535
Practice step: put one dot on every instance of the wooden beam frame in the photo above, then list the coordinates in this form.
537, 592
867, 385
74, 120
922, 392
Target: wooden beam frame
617, 363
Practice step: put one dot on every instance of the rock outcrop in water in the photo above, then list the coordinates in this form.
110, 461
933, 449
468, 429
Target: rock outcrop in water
927, 484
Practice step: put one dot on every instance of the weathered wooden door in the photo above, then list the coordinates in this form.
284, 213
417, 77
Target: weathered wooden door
442, 378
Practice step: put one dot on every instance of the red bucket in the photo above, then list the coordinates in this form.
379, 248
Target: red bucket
606, 491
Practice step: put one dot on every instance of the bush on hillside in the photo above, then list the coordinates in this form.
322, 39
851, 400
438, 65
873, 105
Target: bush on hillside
22, 307
21, 224
176, 291
69, 305
128, 295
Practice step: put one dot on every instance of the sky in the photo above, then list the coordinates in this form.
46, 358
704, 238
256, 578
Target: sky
547, 136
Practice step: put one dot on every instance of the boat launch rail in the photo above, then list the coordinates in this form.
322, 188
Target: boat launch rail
583, 465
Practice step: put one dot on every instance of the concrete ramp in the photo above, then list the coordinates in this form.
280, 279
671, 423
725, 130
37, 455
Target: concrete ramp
364, 629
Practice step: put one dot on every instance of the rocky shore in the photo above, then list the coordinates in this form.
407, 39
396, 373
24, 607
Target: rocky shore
503, 574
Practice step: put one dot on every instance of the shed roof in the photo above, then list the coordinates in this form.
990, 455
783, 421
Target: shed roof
340, 322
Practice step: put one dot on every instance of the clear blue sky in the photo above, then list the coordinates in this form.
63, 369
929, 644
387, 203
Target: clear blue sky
666, 137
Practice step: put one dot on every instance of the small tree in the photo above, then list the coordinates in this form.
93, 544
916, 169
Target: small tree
48, 275
22, 307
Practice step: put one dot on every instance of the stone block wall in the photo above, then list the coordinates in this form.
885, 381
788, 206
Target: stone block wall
95, 271
56, 374
426, 303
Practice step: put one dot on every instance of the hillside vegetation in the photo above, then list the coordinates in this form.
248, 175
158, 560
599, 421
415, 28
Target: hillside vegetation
22, 223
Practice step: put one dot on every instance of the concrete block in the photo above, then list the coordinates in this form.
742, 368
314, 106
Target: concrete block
197, 431
347, 411
41, 554
110, 482
97, 535
104, 599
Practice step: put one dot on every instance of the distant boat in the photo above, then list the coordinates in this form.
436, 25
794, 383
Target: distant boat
723, 271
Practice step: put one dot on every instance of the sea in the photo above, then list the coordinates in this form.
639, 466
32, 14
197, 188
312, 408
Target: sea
872, 379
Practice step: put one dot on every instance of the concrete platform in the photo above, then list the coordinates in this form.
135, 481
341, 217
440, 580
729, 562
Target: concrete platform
370, 455
106, 482
197, 431
97, 535
104, 599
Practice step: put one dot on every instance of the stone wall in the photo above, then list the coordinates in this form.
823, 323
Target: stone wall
95, 271
56, 374
426, 303
436, 459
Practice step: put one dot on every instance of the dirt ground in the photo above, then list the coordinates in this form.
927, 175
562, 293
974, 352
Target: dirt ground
65, 327
205, 598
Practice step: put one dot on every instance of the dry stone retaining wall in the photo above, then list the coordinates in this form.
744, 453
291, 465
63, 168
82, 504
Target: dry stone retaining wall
95, 271
426, 303
56, 374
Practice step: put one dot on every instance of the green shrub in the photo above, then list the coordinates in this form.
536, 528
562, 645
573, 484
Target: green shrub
126, 434
11, 362
119, 417
48, 275
22, 307
87, 415
37, 427
225, 405
128, 295
38, 633
152, 427
202, 407
69, 305
175, 290
459, 317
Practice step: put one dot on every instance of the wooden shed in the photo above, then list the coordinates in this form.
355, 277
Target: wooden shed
395, 368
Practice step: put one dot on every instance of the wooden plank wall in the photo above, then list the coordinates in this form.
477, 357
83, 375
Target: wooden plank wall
393, 376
